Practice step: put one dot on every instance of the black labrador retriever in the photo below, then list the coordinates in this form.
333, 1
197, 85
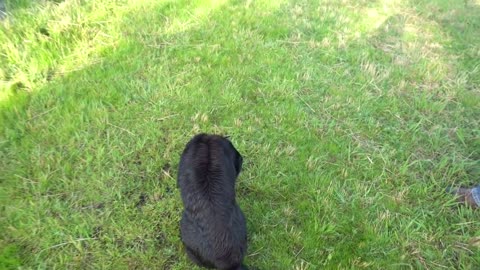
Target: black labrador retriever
212, 228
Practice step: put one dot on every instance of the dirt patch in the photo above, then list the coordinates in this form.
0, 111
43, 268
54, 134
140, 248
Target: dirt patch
142, 200
97, 232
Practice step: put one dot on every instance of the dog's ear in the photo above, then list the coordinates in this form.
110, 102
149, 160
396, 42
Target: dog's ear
238, 162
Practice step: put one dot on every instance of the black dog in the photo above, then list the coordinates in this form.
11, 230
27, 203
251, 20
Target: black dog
213, 228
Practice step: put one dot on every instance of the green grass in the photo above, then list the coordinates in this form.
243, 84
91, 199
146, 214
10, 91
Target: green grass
352, 117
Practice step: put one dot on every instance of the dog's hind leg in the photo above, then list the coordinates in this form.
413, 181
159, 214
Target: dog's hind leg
196, 258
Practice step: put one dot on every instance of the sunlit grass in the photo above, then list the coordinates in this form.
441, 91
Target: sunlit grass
352, 117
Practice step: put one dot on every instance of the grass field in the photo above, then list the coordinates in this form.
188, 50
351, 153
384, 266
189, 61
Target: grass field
352, 117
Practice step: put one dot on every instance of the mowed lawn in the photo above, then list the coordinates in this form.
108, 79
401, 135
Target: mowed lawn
352, 117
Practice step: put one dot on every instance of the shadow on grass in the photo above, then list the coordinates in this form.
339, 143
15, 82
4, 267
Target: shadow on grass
12, 6
460, 22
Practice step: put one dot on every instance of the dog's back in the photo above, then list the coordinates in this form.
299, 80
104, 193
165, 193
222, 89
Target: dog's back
212, 227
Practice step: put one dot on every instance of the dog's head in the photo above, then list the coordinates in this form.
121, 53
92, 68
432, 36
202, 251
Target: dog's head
229, 151
232, 153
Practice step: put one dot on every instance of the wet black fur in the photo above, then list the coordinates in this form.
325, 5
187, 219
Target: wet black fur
212, 228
